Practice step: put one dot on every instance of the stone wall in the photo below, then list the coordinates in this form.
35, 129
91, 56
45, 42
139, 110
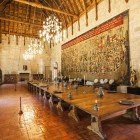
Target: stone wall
117, 7
11, 58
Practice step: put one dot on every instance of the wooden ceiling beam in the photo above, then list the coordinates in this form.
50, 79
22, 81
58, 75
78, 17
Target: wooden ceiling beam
84, 4
5, 3
67, 8
63, 15
77, 11
34, 15
17, 24
19, 34
41, 18
76, 7
90, 1
45, 7
21, 22
72, 7
1, 2
9, 22
126, 1
80, 5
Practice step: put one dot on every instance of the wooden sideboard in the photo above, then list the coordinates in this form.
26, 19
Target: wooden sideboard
37, 76
10, 78
133, 90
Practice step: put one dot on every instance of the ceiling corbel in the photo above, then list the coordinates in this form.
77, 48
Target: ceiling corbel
24, 35
67, 33
96, 9
78, 24
109, 6
17, 34
8, 33
71, 25
45, 7
126, 1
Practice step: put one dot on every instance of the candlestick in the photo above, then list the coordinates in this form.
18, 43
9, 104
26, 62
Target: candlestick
69, 77
84, 80
96, 101
96, 107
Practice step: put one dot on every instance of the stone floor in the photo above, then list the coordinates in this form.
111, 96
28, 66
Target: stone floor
39, 121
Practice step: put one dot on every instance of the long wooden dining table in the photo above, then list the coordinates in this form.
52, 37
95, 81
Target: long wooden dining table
86, 99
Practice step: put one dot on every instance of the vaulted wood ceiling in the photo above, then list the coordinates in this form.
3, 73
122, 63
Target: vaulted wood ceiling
25, 17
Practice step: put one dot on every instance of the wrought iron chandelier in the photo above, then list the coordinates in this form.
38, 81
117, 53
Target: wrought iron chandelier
52, 30
34, 48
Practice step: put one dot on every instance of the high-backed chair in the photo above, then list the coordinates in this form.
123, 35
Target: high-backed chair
112, 85
96, 81
105, 81
101, 81
89, 83
111, 81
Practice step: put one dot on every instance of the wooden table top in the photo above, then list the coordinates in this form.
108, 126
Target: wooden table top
109, 105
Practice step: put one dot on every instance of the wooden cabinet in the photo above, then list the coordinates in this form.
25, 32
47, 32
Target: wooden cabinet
10, 78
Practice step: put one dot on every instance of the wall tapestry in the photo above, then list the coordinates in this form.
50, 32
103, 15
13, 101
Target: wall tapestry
102, 52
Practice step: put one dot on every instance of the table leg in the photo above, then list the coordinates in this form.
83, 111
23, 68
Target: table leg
44, 96
96, 127
15, 87
73, 113
59, 105
36, 90
51, 99
133, 114
39, 91
31, 87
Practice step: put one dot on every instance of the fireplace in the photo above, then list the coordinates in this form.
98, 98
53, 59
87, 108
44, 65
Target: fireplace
24, 76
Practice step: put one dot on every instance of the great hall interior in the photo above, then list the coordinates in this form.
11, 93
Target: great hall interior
69, 69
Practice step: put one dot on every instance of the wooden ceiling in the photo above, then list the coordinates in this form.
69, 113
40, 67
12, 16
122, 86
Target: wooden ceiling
25, 17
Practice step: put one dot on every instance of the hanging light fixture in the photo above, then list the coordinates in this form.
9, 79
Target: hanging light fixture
52, 30
34, 48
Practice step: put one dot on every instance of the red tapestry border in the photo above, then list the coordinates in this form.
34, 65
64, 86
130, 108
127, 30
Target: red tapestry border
95, 31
